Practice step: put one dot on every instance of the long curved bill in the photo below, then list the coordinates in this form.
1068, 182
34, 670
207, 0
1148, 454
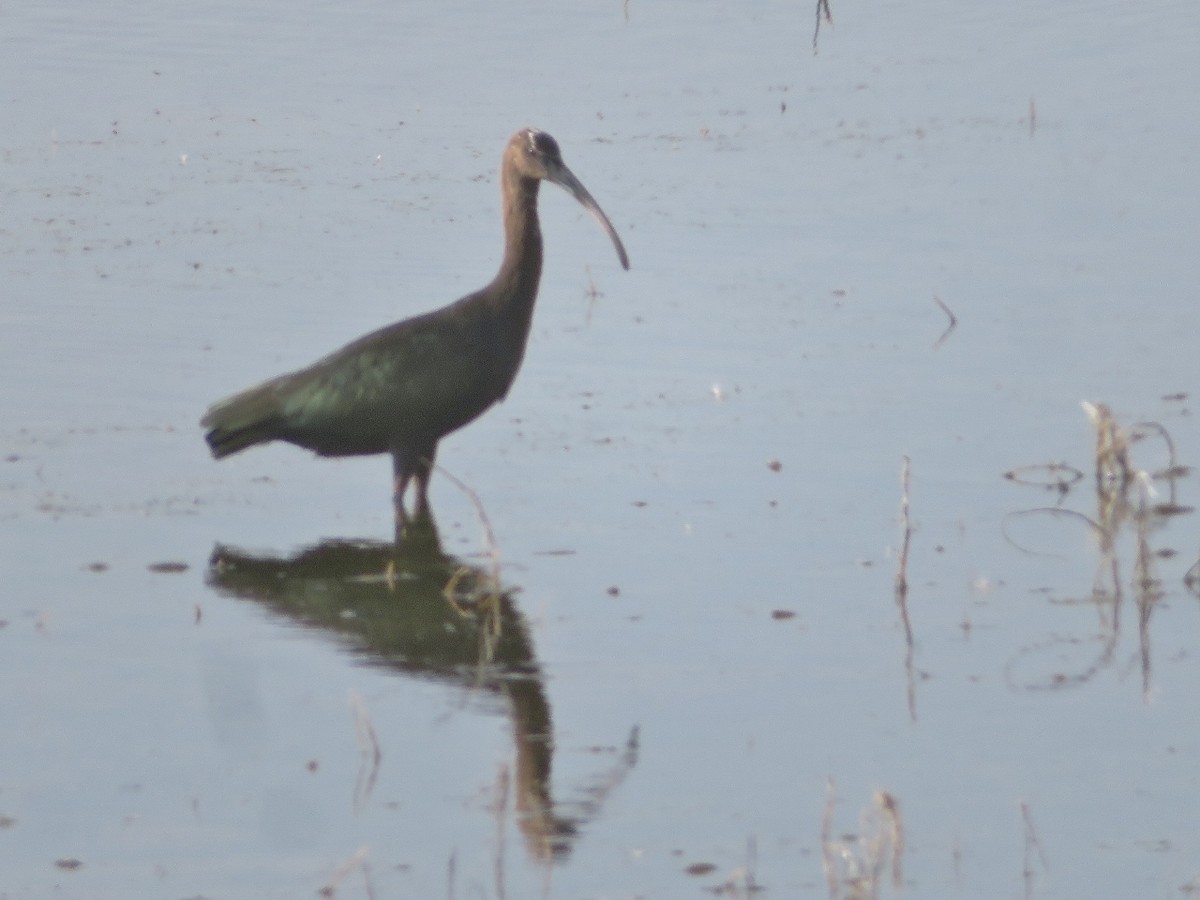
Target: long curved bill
563, 177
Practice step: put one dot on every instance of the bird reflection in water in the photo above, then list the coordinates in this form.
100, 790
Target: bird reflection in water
411, 608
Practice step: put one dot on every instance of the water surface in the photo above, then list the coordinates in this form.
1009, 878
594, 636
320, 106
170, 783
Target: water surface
694, 487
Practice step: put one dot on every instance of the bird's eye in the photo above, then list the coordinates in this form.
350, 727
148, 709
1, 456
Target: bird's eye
542, 144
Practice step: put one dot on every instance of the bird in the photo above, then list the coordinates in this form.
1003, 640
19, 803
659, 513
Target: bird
404, 387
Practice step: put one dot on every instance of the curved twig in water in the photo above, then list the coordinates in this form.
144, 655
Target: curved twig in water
1191, 579
1100, 530
949, 328
1067, 476
1060, 680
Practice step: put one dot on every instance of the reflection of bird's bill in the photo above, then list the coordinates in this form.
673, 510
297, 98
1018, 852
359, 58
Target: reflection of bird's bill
565, 178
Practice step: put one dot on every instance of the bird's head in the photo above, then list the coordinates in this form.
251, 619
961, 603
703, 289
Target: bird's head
534, 155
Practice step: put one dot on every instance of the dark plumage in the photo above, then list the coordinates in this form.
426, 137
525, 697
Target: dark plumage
403, 388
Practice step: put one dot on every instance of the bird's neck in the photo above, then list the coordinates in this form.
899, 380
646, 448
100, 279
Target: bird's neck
516, 283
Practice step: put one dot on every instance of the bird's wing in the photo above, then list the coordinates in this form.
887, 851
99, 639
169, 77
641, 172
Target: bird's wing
421, 377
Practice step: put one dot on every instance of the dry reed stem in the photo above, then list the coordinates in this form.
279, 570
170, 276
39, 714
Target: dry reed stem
1147, 591
357, 860
742, 878
828, 859
857, 862
1124, 493
1032, 844
499, 808
489, 536
889, 809
902, 592
487, 599
368, 744
1112, 447
592, 295
905, 541
822, 8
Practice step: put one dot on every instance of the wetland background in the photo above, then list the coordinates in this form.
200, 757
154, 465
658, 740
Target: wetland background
695, 487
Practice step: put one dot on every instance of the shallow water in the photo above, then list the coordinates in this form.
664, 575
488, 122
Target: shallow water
694, 487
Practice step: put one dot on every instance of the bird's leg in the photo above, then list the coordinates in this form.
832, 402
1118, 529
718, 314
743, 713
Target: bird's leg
401, 474
412, 464
422, 471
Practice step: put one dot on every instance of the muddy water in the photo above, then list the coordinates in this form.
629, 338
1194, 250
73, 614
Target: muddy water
694, 491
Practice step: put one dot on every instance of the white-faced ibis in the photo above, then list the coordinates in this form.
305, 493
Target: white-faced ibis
403, 388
